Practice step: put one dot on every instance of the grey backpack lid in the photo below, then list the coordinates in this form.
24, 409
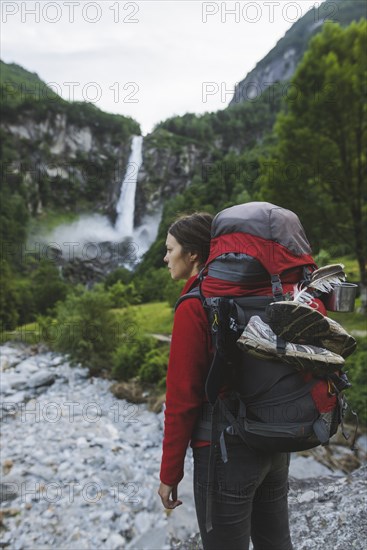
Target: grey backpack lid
265, 220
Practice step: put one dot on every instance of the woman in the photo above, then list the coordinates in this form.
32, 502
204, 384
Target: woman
250, 490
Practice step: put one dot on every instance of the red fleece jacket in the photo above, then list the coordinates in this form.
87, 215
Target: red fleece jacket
190, 357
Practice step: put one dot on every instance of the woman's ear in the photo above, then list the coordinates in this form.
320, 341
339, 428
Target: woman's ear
193, 257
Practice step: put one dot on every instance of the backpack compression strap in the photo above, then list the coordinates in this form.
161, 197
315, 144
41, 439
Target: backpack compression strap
277, 290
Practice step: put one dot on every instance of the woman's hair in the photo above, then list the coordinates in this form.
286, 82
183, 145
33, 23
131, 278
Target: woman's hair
192, 232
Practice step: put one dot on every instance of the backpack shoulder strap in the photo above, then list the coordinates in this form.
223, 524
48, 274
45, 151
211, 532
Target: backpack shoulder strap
193, 293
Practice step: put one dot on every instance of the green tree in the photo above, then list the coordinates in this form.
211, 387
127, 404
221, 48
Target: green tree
13, 224
86, 328
130, 355
153, 369
8, 297
48, 287
26, 306
123, 295
357, 374
318, 166
151, 285
120, 274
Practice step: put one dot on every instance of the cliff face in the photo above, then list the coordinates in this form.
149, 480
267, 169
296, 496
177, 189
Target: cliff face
60, 163
60, 154
168, 169
257, 81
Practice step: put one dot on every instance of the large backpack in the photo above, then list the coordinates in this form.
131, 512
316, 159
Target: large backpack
258, 252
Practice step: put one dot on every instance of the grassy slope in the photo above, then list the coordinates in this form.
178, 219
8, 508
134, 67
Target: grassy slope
17, 84
351, 321
152, 318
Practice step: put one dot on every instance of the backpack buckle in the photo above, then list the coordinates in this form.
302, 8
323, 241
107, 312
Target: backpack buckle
230, 430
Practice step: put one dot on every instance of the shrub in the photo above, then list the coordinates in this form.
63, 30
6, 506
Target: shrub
120, 274
158, 286
123, 295
8, 297
86, 328
26, 306
130, 355
357, 375
48, 287
154, 367
172, 291
151, 285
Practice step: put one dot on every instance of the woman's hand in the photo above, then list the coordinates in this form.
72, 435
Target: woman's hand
164, 492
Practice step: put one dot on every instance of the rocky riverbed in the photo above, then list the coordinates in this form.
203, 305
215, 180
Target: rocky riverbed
80, 470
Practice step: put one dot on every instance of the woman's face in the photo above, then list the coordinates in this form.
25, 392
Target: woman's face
182, 265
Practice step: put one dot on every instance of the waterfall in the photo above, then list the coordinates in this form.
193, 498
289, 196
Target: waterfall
125, 208
90, 233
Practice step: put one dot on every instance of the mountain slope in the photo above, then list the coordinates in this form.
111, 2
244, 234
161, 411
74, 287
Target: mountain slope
280, 63
184, 147
18, 85
59, 154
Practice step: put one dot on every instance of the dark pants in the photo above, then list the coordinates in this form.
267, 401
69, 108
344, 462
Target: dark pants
249, 498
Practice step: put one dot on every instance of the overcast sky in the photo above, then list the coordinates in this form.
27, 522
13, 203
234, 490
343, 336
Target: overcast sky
146, 59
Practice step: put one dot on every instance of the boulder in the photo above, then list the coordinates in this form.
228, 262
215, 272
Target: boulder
41, 378
132, 391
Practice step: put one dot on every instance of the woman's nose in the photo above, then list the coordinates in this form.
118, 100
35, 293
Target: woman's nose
165, 259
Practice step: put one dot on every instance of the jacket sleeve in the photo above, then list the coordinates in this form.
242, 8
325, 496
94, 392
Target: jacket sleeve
188, 366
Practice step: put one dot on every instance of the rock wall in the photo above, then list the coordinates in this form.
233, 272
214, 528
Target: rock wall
57, 162
168, 168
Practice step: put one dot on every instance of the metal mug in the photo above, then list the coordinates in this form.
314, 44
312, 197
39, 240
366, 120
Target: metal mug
342, 298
